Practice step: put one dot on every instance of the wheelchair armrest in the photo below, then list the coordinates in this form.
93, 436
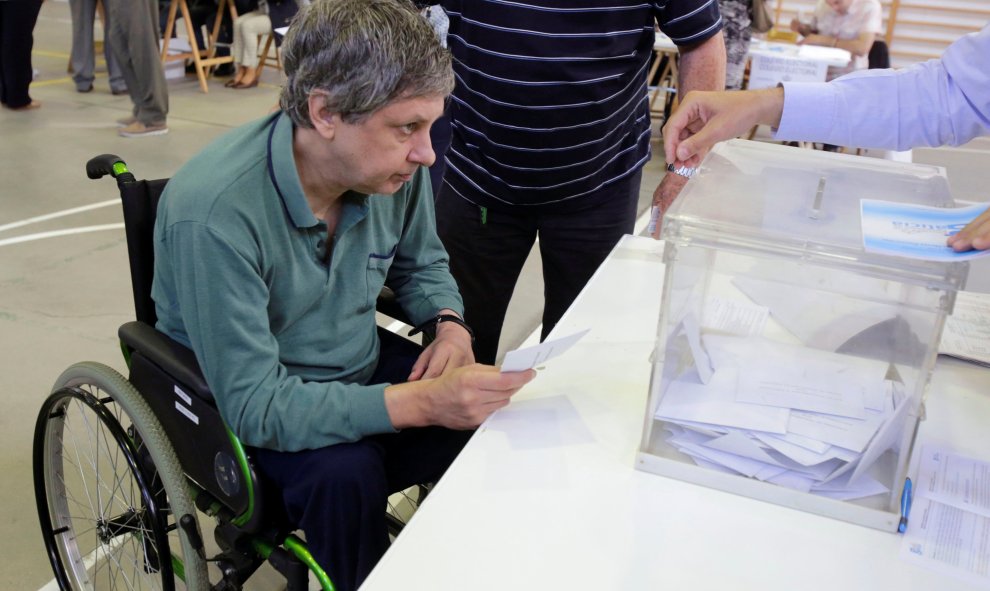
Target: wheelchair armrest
172, 357
388, 305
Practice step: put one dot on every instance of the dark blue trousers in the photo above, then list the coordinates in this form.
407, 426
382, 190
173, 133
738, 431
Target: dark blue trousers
487, 251
337, 494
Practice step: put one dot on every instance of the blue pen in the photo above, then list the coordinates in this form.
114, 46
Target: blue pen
905, 505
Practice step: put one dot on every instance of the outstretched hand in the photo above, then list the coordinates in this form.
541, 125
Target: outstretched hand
705, 118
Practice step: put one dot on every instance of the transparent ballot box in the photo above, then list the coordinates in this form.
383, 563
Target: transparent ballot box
791, 365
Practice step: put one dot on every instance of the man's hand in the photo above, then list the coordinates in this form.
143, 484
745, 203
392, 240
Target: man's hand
459, 399
450, 349
668, 190
976, 234
706, 118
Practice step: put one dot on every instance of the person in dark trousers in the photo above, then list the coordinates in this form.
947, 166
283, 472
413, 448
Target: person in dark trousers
550, 130
17, 19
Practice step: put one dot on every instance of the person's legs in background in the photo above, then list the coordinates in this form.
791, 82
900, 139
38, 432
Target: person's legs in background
248, 28
17, 20
115, 74
487, 251
573, 244
134, 37
81, 57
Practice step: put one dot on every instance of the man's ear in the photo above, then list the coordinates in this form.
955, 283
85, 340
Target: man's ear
324, 121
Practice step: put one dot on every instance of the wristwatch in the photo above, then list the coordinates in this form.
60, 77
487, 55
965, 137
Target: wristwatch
684, 171
430, 326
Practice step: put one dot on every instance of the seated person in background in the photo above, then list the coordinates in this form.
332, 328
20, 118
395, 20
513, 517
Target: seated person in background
852, 25
943, 101
249, 28
269, 272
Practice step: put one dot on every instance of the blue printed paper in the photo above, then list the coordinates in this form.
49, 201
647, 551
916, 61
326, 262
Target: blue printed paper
916, 231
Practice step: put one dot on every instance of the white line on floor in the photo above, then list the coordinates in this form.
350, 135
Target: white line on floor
56, 233
58, 214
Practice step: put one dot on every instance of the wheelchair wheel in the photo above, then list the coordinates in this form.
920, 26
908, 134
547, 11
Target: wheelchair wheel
401, 507
110, 490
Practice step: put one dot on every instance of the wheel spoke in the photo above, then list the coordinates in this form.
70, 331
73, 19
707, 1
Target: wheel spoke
104, 463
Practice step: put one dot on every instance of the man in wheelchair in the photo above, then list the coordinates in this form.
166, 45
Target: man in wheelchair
271, 247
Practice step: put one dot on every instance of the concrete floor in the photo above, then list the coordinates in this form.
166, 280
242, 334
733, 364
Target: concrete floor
62, 297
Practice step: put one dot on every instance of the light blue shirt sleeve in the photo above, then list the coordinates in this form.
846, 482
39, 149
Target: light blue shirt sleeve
938, 102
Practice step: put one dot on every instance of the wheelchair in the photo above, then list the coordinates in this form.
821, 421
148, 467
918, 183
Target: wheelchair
124, 468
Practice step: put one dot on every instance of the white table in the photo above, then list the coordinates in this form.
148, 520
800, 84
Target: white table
545, 495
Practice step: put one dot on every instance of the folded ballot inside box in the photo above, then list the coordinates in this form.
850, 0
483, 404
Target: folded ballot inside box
791, 365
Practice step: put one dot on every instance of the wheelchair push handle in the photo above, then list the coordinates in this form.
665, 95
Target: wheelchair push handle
104, 164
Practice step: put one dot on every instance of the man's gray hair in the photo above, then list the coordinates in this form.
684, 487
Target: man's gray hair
361, 54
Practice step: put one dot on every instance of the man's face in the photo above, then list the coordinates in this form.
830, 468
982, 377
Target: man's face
380, 153
840, 6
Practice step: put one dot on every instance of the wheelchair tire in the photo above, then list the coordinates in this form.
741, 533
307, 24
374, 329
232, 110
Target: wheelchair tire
110, 490
402, 506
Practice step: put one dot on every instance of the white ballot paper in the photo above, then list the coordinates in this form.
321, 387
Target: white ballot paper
916, 231
949, 524
735, 317
529, 357
715, 403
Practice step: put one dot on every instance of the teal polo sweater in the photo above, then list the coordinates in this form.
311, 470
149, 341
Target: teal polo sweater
286, 336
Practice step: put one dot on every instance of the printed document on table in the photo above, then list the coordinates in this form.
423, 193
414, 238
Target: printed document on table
949, 541
916, 231
967, 329
529, 357
955, 480
949, 525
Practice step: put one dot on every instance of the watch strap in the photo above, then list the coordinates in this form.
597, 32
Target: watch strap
430, 326
684, 171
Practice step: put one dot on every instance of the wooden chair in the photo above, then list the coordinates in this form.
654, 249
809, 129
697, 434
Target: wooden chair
265, 56
203, 58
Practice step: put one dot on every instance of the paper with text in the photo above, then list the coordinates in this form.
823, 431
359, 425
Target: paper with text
954, 480
949, 541
916, 231
967, 329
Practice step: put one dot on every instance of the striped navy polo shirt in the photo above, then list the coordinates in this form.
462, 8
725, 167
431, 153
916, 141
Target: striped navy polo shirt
551, 100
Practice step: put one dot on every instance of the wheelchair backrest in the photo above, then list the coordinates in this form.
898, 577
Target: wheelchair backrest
140, 201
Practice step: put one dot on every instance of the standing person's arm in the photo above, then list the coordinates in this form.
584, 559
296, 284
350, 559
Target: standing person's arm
935, 103
702, 67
